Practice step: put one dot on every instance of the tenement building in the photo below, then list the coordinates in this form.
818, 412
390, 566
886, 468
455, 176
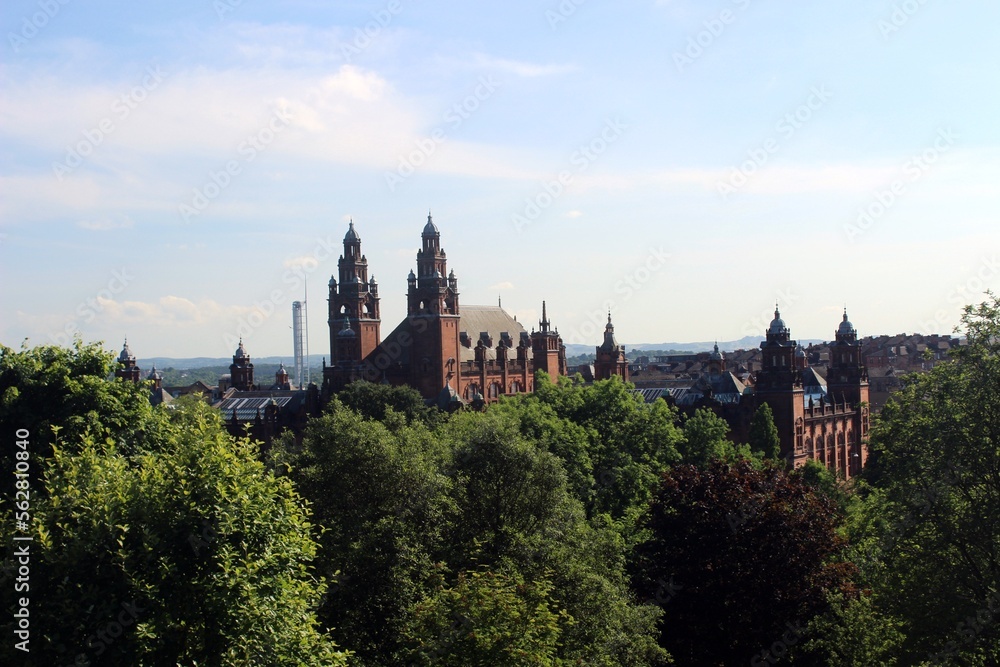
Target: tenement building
451, 353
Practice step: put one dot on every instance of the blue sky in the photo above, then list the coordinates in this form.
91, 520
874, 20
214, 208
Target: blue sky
177, 172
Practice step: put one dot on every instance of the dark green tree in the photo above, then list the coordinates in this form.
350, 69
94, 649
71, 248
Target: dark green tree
515, 514
630, 442
854, 632
384, 505
763, 436
929, 532
373, 401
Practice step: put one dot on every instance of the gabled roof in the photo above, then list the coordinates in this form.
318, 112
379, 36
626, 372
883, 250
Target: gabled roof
812, 378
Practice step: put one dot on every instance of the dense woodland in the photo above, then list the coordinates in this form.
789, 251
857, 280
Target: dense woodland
572, 526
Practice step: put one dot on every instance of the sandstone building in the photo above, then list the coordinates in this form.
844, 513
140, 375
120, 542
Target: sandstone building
452, 353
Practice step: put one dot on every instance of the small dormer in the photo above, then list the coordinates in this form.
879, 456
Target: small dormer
464, 339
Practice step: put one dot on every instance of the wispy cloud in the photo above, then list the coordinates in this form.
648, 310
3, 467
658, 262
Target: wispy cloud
106, 224
518, 67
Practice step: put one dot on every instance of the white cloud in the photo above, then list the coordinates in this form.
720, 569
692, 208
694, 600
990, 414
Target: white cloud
106, 224
519, 68
501, 286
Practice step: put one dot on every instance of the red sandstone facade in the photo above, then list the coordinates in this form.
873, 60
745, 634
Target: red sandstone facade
610, 360
829, 426
448, 352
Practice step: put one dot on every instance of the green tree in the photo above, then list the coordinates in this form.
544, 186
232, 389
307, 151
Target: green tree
706, 439
630, 442
930, 526
384, 505
191, 553
764, 439
852, 633
515, 514
751, 553
373, 401
49, 387
486, 619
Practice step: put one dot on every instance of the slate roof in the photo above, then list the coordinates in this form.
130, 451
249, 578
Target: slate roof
247, 403
813, 385
160, 396
473, 320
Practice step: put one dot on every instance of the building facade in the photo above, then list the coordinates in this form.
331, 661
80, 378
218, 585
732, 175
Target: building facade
823, 418
452, 353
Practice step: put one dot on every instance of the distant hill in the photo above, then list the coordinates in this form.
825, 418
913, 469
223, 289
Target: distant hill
208, 369
747, 342
182, 372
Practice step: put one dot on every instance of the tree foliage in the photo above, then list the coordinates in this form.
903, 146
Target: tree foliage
763, 437
750, 553
375, 401
190, 553
486, 619
629, 443
930, 527
48, 388
384, 504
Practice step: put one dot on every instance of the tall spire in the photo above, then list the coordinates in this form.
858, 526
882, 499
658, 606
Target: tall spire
544, 323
